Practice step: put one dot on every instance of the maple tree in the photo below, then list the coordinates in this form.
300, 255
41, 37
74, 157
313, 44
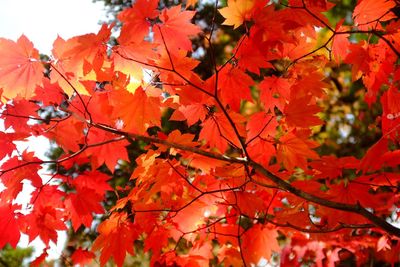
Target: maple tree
225, 167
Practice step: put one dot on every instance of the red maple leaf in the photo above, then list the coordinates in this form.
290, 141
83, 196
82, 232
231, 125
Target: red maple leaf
64, 130
259, 242
6, 144
16, 115
275, 91
301, 114
93, 180
108, 151
81, 206
40, 259
9, 230
135, 21
261, 125
43, 221
82, 256
192, 113
234, 86
13, 179
176, 29
243, 171
49, 93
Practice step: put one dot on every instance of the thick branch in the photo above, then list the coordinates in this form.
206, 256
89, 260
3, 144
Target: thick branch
156, 140
357, 208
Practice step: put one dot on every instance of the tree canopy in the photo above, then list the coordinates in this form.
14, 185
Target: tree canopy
222, 134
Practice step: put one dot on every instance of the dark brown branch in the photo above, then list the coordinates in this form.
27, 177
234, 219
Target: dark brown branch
155, 140
357, 208
323, 230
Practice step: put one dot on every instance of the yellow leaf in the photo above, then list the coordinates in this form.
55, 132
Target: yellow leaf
237, 12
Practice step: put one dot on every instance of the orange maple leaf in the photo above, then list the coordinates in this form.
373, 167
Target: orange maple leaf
192, 113
77, 56
184, 139
217, 131
293, 151
191, 3
117, 236
367, 11
237, 12
137, 111
20, 67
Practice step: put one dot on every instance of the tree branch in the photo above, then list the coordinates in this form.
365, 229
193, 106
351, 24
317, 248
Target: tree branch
357, 208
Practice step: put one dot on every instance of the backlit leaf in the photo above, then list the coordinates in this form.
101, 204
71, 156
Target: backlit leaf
20, 68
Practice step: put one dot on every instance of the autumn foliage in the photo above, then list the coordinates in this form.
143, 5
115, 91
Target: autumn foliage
241, 176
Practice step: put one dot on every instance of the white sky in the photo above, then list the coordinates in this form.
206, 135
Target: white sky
42, 20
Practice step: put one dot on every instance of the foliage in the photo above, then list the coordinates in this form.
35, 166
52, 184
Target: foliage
223, 162
14, 257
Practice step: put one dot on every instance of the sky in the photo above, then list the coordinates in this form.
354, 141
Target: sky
41, 21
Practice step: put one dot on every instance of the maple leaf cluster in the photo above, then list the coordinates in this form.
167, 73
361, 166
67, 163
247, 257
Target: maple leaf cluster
243, 179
